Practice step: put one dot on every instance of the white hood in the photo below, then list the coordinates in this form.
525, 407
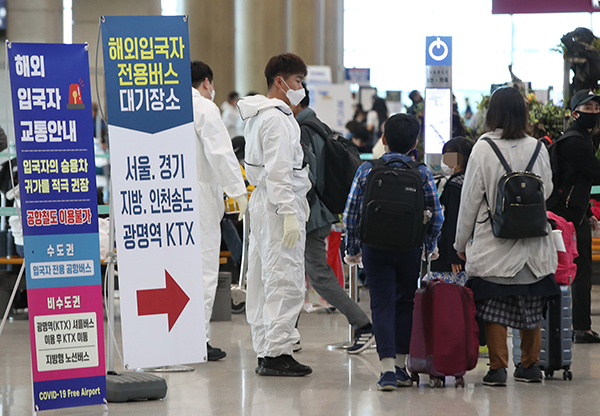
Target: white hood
250, 106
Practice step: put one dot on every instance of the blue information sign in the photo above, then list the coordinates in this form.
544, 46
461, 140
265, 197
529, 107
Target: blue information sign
147, 71
52, 108
438, 51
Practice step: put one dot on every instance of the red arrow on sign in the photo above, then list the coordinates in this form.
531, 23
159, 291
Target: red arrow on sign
171, 300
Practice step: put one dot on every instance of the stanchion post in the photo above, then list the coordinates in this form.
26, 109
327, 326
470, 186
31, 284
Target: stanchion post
353, 293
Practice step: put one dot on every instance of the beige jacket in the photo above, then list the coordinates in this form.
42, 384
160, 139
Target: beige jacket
487, 255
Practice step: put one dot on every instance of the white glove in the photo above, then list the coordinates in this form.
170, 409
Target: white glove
242, 202
291, 230
354, 260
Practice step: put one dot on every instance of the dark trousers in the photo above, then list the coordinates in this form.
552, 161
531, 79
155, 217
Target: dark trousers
392, 285
582, 285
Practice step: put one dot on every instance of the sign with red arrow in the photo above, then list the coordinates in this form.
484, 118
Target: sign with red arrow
170, 300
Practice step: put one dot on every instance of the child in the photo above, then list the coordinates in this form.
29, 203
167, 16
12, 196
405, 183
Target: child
392, 274
449, 267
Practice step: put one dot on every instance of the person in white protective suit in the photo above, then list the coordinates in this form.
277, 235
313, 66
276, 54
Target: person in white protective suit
278, 211
218, 170
231, 116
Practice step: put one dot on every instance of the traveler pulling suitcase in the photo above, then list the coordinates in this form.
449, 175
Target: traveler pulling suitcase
445, 335
556, 351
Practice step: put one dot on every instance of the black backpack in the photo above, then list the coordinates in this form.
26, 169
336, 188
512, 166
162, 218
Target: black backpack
520, 204
342, 159
393, 215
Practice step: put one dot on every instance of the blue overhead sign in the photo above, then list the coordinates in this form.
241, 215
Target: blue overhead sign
438, 51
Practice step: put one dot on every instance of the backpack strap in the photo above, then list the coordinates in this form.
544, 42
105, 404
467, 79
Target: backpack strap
536, 152
316, 126
411, 164
499, 154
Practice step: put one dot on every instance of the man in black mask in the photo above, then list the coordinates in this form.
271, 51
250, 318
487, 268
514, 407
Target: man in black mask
575, 169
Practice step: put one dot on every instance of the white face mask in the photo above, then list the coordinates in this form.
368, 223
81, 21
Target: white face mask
212, 95
295, 96
447, 169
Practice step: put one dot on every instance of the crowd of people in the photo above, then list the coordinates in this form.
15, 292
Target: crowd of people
511, 278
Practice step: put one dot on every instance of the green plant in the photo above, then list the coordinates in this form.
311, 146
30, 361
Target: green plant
547, 119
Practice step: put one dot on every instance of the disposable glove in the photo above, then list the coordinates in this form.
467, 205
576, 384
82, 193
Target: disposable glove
291, 230
354, 260
242, 202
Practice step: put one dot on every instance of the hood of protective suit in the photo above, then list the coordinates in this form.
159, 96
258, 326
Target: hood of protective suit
251, 106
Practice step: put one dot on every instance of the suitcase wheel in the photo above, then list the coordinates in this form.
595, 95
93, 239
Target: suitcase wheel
459, 382
415, 378
567, 375
549, 374
437, 382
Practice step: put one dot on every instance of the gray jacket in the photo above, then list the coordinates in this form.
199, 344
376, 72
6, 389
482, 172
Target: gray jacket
488, 256
320, 216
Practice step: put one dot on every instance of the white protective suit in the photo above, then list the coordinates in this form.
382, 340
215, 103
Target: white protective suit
218, 170
231, 119
276, 284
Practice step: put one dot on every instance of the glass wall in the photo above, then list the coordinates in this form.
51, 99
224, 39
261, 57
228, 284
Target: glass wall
388, 36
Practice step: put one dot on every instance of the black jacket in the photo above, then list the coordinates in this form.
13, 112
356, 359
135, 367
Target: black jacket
575, 169
450, 199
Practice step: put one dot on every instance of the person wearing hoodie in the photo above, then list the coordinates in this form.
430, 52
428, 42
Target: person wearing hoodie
278, 211
318, 227
218, 170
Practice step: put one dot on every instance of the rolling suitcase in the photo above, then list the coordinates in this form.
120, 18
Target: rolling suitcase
556, 353
445, 335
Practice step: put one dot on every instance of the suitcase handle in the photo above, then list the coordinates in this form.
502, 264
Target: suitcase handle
428, 275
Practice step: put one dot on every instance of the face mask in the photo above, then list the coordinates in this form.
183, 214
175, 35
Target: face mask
448, 171
295, 96
212, 95
587, 120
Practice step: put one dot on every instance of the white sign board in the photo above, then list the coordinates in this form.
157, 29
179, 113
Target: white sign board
318, 75
438, 116
158, 246
333, 104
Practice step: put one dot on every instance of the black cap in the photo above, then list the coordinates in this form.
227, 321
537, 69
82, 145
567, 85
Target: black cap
582, 97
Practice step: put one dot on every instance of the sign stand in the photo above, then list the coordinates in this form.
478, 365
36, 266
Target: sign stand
122, 387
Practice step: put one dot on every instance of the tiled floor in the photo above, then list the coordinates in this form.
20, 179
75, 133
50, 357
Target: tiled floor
340, 385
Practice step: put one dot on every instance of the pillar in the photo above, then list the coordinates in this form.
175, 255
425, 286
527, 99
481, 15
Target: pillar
307, 27
212, 40
86, 20
37, 21
261, 31
334, 38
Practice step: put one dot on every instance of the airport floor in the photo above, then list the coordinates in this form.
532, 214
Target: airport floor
341, 384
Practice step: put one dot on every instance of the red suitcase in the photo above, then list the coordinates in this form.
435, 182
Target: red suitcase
445, 335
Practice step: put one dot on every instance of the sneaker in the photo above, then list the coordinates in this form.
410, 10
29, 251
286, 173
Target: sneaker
214, 354
495, 377
532, 374
297, 347
402, 377
387, 381
260, 363
484, 352
363, 339
283, 366
584, 337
